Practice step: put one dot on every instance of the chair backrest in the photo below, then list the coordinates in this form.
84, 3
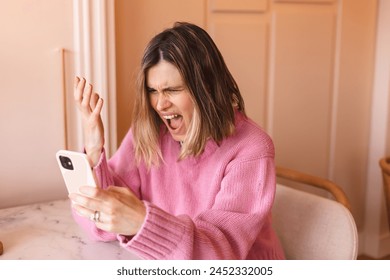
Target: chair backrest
312, 227
384, 163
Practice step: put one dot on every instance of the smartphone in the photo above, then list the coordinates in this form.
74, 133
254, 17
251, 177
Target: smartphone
75, 169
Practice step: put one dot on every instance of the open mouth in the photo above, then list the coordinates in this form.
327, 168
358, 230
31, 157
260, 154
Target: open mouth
174, 121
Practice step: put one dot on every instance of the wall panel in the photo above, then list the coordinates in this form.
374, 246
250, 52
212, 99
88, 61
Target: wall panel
301, 84
242, 39
238, 6
349, 167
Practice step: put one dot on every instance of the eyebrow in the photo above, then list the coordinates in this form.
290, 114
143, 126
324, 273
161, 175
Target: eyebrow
167, 88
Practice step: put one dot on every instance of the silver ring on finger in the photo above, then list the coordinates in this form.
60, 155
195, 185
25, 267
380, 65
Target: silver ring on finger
95, 217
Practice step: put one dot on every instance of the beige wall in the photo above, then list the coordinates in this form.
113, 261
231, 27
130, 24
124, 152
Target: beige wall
357, 53
31, 100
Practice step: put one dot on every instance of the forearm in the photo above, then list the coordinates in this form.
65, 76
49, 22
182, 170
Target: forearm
221, 235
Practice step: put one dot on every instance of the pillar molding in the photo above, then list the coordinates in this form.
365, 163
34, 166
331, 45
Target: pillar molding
375, 243
94, 45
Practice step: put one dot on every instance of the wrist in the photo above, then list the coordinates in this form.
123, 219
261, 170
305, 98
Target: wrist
93, 156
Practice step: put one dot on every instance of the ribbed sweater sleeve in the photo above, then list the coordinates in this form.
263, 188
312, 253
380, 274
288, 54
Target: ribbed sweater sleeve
226, 231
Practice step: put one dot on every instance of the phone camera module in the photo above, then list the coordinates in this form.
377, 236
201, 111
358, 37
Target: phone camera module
66, 163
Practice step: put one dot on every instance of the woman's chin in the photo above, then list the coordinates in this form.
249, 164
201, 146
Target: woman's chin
178, 138
177, 134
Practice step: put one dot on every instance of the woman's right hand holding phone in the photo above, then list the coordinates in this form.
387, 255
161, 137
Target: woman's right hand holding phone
90, 105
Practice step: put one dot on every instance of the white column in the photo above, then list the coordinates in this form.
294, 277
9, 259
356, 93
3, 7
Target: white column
374, 243
94, 43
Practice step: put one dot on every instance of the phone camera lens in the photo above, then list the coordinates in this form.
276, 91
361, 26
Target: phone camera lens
66, 162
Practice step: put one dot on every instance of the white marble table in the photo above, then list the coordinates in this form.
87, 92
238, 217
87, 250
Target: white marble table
47, 231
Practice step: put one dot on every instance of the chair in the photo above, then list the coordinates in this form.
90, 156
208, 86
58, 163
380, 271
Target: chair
312, 227
384, 163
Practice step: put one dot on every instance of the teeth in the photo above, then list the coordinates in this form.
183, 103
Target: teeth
170, 117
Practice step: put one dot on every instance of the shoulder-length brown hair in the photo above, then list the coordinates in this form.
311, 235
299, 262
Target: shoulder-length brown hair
214, 92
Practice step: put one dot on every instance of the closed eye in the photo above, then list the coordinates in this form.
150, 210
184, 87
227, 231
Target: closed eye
150, 90
169, 90
173, 89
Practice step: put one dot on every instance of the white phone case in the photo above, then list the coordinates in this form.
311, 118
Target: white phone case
75, 170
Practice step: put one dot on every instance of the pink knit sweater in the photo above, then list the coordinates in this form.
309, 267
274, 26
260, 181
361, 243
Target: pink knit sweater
215, 206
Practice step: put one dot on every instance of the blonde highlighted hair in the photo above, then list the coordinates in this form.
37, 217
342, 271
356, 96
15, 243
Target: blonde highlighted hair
214, 92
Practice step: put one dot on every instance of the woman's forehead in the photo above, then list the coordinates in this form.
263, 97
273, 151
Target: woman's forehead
163, 75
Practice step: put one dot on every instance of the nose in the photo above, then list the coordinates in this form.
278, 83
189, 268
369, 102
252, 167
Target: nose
163, 102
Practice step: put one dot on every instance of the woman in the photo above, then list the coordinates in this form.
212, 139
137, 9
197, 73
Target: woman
194, 178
